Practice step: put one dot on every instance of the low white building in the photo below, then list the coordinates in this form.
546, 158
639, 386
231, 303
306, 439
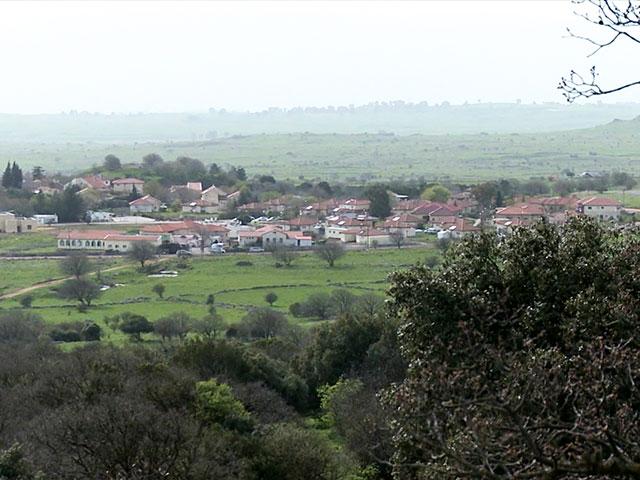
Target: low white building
373, 237
46, 219
11, 223
128, 185
600, 208
102, 240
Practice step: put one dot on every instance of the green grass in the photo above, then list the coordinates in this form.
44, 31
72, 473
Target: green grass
236, 288
39, 242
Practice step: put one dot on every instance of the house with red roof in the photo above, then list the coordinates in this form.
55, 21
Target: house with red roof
460, 228
373, 237
95, 182
146, 204
600, 208
524, 213
272, 236
404, 223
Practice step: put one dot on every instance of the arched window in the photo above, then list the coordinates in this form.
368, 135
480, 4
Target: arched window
87, 243
93, 243
67, 243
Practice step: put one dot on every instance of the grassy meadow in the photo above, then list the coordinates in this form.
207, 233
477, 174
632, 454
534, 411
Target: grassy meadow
236, 288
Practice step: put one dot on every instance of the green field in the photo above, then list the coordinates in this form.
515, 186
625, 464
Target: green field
34, 243
361, 157
236, 288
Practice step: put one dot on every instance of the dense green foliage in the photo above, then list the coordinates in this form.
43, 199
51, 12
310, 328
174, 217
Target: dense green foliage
523, 358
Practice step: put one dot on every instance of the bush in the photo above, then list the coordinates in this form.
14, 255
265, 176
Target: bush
244, 263
26, 301
65, 336
91, 332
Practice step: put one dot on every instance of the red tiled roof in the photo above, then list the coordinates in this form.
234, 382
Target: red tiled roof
600, 202
127, 181
524, 209
146, 200
96, 182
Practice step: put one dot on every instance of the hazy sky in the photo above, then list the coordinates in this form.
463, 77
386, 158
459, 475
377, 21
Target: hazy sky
178, 56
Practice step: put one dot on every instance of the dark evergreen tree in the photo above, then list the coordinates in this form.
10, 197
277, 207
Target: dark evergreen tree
7, 179
16, 176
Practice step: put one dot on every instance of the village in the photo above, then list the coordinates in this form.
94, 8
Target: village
200, 224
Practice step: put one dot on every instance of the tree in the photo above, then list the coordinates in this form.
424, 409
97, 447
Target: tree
369, 304
318, 305
152, 160
216, 404
80, 289
142, 251
158, 289
75, 265
210, 325
397, 238
271, 298
523, 355
436, 193
7, 179
484, 193
16, 176
618, 22
91, 332
330, 252
37, 173
111, 162
174, 325
343, 301
263, 323
69, 206
283, 254
135, 325
380, 204
26, 301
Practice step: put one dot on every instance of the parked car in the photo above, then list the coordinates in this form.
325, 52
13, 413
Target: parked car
184, 253
432, 230
256, 249
217, 248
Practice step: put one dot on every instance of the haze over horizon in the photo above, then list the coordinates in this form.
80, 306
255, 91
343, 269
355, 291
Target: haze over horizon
249, 56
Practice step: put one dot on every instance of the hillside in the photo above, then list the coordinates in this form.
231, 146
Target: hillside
364, 156
396, 117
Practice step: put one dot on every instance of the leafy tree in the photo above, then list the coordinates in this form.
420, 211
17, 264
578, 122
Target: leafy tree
216, 404
13, 465
152, 160
263, 323
436, 193
210, 325
26, 301
111, 162
80, 289
271, 298
91, 332
142, 252
20, 327
135, 325
484, 193
75, 265
289, 452
522, 355
319, 305
68, 205
174, 325
330, 252
158, 289
369, 304
380, 205
337, 348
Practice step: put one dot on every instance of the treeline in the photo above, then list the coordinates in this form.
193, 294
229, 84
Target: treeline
203, 404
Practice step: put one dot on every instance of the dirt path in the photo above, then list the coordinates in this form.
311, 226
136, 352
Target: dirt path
58, 281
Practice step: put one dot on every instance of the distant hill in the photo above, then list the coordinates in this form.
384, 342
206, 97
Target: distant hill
397, 117
365, 156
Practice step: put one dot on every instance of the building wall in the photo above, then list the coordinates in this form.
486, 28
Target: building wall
602, 212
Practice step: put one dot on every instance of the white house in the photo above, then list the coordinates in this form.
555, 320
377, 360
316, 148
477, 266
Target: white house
372, 236
102, 240
600, 208
271, 236
46, 219
146, 204
128, 185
